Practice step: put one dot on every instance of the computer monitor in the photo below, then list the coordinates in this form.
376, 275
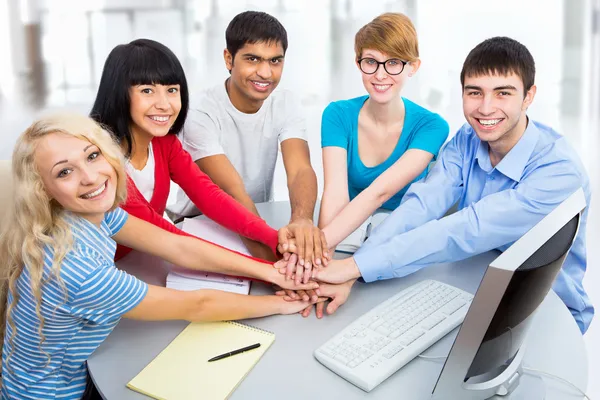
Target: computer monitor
487, 354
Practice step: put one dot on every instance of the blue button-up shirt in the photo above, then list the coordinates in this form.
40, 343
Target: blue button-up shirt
497, 205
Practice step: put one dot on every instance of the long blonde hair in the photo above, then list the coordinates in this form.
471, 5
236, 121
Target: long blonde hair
34, 220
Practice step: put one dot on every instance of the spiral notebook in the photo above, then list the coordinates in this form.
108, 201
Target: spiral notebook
182, 371
185, 279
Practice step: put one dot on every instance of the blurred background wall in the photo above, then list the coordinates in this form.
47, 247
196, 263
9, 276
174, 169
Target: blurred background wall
53, 52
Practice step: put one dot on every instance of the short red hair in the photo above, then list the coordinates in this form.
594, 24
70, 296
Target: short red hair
390, 33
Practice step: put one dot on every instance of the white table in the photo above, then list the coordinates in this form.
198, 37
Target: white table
288, 369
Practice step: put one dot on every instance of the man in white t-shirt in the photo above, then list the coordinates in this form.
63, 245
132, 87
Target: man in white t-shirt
234, 129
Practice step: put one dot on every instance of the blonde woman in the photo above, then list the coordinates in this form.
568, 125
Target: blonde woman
61, 294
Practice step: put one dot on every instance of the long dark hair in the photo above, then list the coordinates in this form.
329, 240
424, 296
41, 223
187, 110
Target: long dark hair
141, 62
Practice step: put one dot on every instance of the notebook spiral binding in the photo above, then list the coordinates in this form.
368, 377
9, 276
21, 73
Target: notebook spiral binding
249, 327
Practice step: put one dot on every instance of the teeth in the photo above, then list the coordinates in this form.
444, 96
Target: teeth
95, 192
382, 87
159, 119
261, 84
489, 122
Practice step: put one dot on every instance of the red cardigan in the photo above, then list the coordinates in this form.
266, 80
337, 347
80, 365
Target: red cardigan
174, 163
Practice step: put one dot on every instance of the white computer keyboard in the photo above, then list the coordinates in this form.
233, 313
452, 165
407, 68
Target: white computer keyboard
390, 335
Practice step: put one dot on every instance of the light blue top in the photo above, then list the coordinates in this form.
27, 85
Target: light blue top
76, 322
496, 207
339, 127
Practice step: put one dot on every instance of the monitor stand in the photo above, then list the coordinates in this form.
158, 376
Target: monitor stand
511, 384
530, 388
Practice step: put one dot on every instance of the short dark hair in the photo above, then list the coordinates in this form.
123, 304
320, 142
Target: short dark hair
501, 56
141, 62
254, 27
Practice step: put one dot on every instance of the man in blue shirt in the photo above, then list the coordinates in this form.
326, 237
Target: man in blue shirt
505, 171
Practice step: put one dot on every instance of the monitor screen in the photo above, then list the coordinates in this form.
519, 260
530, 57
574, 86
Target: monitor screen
527, 289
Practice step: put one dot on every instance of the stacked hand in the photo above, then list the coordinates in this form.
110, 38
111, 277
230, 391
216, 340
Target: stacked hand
336, 294
306, 244
335, 283
336, 272
306, 259
302, 295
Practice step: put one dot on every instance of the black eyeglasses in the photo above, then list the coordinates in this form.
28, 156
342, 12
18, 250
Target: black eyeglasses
393, 66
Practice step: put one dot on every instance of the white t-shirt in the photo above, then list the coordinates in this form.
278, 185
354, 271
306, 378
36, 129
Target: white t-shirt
144, 178
250, 141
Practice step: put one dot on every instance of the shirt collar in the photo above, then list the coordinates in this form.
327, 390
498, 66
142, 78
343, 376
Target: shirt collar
483, 157
513, 164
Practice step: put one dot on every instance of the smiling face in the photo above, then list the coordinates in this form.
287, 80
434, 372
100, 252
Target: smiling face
496, 106
381, 86
154, 108
255, 72
76, 175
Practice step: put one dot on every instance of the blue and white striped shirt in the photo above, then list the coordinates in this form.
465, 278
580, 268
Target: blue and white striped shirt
76, 321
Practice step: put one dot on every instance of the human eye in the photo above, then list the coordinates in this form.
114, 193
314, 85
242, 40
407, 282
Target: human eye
370, 61
503, 93
64, 172
393, 62
473, 93
253, 59
146, 90
93, 155
173, 90
276, 61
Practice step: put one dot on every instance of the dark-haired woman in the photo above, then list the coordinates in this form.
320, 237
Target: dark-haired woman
143, 99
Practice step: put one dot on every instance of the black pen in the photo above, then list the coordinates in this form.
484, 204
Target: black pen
234, 352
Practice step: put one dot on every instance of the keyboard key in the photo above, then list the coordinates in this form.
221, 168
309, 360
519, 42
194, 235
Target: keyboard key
397, 333
396, 350
383, 330
378, 346
410, 337
327, 353
417, 335
432, 321
341, 359
378, 322
330, 349
453, 306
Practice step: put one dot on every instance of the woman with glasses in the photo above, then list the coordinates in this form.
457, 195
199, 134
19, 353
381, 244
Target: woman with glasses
375, 146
